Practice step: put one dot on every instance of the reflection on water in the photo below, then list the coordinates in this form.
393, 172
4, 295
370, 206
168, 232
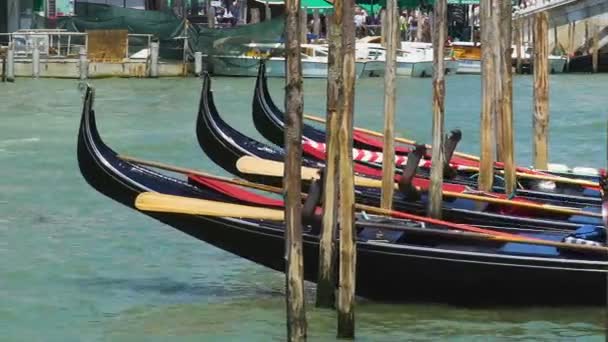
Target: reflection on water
77, 266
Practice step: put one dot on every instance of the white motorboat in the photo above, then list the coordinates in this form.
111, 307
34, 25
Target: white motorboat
556, 63
314, 62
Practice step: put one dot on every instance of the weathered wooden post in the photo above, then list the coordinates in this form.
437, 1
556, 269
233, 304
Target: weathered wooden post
267, 13
296, 312
36, 60
10, 62
83, 65
316, 22
348, 259
255, 15
506, 71
326, 283
571, 32
304, 24
383, 29
210, 15
154, 49
541, 91
518, 43
198, 63
496, 47
440, 16
390, 90
488, 83
243, 12
596, 49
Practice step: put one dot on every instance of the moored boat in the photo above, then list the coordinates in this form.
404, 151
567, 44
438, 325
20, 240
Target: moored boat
430, 270
225, 146
269, 121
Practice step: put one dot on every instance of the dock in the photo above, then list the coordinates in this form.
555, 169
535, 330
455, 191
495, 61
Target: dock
82, 55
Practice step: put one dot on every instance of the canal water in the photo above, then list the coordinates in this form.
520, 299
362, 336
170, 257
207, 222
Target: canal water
76, 266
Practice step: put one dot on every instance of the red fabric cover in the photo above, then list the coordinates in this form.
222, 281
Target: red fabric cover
236, 192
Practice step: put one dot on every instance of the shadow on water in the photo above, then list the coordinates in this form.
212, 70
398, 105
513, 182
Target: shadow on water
170, 287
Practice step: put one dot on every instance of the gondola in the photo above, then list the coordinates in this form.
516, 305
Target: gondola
269, 121
225, 145
389, 269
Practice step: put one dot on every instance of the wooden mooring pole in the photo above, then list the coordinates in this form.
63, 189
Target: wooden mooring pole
326, 283
596, 48
437, 159
390, 90
348, 256
518, 44
316, 23
541, 90
571, 32
3, 67
496, 46
506, 71
294, 273
488, 84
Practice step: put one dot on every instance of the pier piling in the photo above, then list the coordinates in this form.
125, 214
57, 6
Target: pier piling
3, 68
506, 100
211, 15
316, 23
255, 16
390, 90
348, 255
198, 63
596, 49
267, 12
570, 52
518, 44
541, 91
154, 47
326, 283
437, 158
83, 67
10, 62
304, 24
35, 62
294, 98
488, 84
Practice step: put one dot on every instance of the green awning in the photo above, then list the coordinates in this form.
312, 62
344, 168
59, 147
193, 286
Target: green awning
369, 8
414, 3
322, 5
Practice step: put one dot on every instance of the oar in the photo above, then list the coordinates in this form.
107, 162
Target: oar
371, 209
551, 178
380, 135
265, 167
156, 202
555, 179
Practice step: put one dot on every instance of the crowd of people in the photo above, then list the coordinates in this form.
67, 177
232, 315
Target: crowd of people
410, 23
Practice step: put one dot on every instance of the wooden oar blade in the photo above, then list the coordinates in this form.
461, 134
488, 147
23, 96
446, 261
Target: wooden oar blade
265, 167
156, 202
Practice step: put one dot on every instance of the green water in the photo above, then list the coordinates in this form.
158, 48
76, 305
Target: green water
76, 266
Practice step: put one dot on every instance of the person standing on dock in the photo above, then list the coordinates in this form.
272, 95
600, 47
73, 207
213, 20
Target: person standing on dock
359, 22
403, 25
413, 27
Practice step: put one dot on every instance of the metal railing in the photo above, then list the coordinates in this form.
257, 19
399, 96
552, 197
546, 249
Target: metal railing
528, 7
61, 44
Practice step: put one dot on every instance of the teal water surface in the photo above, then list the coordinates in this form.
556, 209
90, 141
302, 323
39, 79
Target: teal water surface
76, 266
